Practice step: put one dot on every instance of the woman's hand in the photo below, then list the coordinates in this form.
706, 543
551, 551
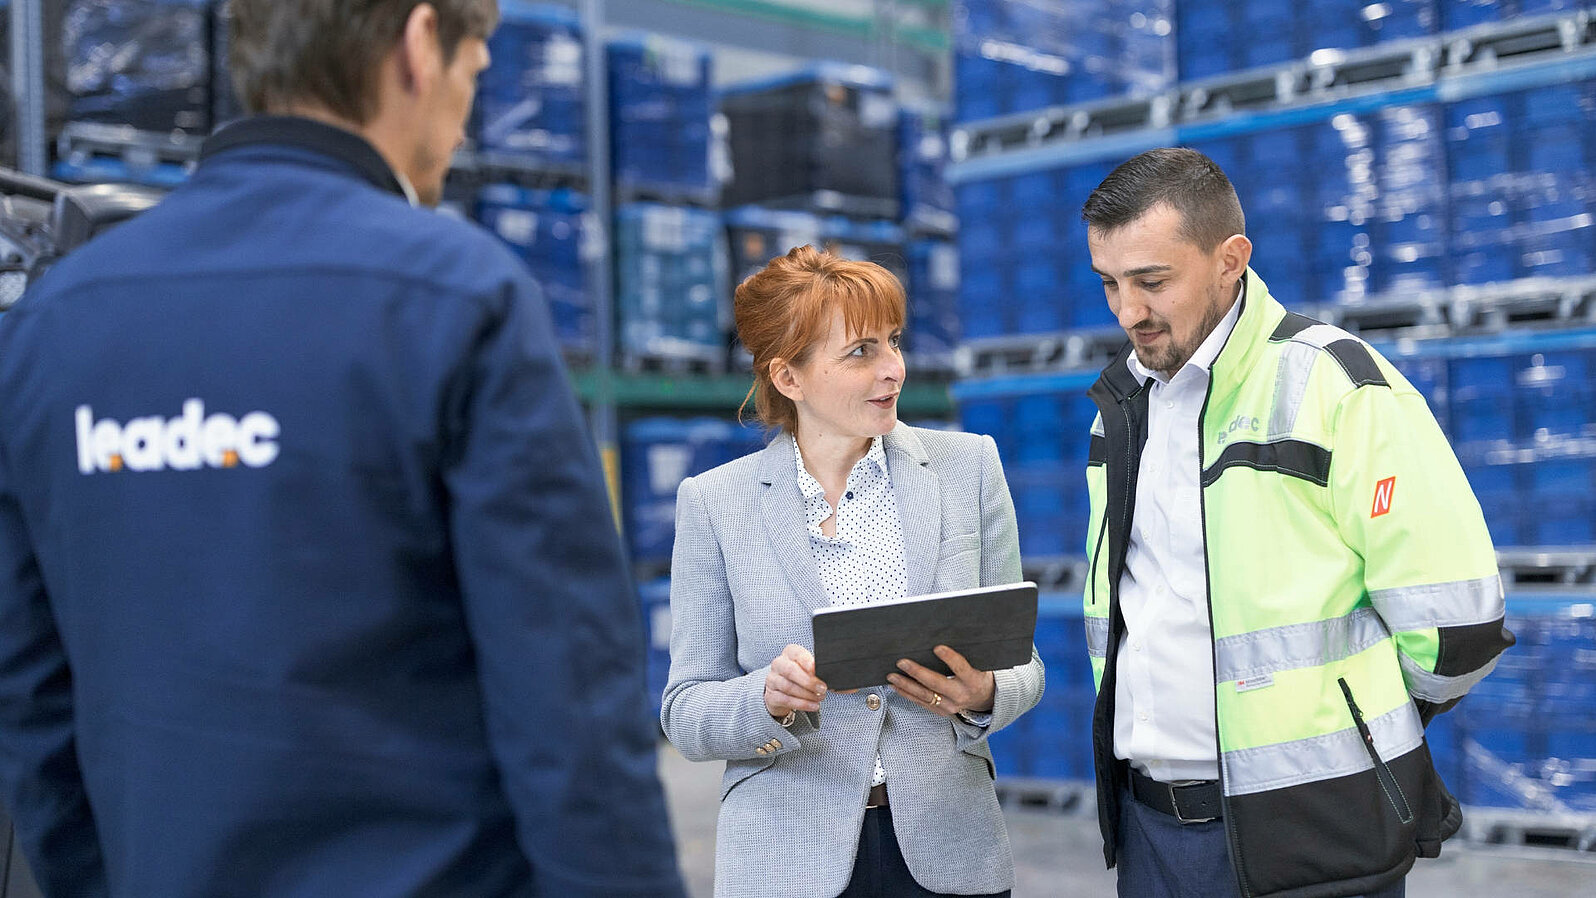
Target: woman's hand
967, 690
791, 684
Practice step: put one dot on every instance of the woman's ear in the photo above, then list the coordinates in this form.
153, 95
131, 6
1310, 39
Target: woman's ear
785, 378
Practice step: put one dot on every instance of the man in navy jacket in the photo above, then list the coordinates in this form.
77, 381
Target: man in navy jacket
308, 582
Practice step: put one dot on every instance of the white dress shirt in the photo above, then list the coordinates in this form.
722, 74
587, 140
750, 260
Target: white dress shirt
864, 561
1164, 693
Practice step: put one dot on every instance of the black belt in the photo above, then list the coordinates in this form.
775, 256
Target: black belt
1194, 803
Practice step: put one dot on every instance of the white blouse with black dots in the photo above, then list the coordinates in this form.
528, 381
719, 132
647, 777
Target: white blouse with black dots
864, 561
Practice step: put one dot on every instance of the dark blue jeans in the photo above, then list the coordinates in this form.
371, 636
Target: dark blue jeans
879, 870
1160, 857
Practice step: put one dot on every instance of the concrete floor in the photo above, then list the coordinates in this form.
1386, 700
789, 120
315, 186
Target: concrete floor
1059, 855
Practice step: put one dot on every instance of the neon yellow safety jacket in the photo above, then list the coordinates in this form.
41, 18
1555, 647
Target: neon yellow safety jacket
1352, 590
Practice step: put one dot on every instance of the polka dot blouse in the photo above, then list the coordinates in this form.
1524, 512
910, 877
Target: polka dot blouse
864, 561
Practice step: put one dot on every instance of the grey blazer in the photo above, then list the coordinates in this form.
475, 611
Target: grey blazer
743, 584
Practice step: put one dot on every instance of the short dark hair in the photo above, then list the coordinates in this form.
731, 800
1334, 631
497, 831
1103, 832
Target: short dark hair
326, 51
1183, 179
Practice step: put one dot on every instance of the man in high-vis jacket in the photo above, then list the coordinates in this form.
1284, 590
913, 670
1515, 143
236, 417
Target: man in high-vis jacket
1289, 575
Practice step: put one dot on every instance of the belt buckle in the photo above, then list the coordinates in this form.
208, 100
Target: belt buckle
1174, 802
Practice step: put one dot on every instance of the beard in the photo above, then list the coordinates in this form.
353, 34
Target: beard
1173, 353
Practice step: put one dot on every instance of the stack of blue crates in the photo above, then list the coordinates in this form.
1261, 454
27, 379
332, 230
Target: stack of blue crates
867, 240
934, 330
1219, 36
1042, 439
670, 289
660, 108
1020, 55
1455, 14
1054, 739
1524, 426
1525, 737
926, 197
547, 229
1024, 265
656, 455
530, 101
143, 63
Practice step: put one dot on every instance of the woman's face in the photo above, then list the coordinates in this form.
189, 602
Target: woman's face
849, 384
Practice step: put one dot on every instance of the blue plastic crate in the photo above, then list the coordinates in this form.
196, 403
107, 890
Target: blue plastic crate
547, 229
670, 282
656, 455
660, 101
530, 100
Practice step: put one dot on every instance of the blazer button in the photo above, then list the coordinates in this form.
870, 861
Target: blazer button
760, 750
873, 702
775, 743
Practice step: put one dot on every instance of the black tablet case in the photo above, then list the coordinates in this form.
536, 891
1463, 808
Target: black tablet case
992, 627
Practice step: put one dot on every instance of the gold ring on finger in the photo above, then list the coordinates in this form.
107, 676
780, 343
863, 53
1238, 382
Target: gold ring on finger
936, 699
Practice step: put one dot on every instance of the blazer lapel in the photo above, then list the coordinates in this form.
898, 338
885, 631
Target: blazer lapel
782, 507
919, 497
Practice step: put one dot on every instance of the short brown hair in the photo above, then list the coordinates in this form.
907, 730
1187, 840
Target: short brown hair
327, 51
786, 309
1181, 178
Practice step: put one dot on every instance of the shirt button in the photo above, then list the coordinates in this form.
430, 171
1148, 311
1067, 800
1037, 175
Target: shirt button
1170, 404
873, 702
1137, 647
1142, 717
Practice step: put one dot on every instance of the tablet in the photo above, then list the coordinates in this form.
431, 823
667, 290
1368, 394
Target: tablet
858, 645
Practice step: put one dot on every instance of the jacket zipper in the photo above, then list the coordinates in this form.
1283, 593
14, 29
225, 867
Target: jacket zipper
1382, 771
1232, 841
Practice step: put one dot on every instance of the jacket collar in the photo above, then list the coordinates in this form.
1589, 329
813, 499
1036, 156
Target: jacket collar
914, 486
336, 143
1260, 313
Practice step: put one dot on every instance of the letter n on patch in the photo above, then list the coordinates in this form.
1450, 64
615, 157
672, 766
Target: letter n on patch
1382, 496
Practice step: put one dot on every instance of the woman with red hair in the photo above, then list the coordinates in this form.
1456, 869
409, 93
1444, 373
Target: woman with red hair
893, 795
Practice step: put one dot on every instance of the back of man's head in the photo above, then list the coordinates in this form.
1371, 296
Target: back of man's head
326, 53
1182, 179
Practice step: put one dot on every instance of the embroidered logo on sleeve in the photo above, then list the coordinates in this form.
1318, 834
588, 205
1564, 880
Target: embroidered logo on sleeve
1382, 496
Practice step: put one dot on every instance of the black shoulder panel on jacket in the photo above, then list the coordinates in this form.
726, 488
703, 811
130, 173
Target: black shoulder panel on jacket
1290, 326
1355, 359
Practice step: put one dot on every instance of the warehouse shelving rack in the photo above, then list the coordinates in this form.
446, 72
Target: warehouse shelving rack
1458, 65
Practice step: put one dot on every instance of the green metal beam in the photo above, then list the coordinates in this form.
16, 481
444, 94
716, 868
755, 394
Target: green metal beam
927, 40
721, 392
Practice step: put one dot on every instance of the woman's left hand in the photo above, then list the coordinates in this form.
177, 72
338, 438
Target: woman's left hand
967, 690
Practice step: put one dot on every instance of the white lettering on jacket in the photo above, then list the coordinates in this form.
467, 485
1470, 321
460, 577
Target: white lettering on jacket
188, 442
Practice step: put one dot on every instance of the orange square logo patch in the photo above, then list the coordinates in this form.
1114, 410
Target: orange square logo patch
1382, 496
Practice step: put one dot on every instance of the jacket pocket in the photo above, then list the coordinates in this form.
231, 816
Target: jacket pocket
737, 771
1388, 781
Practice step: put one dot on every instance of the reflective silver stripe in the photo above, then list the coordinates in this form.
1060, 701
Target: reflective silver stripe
1342, 753
1097, 427
1291, 379
1435, 688
1097, 637
1311, 644
1455, 604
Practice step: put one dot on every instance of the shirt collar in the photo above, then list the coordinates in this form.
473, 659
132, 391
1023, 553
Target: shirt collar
319, 137
1205, 356
811, 488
